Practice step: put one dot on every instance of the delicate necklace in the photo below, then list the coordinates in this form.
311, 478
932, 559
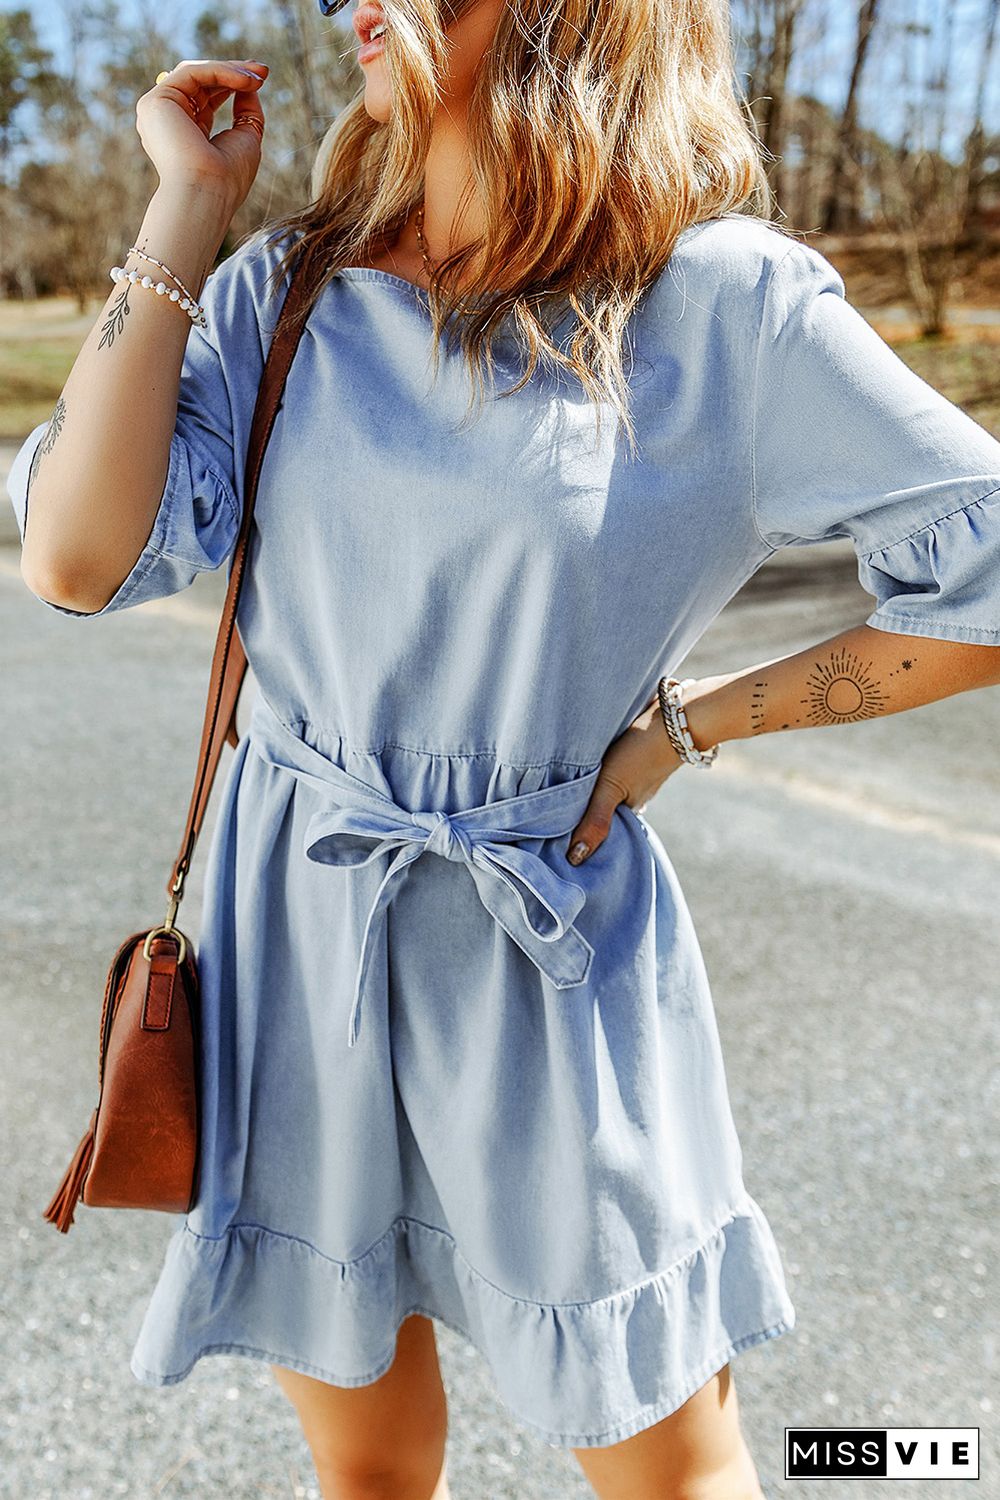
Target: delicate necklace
428, 267
423, 243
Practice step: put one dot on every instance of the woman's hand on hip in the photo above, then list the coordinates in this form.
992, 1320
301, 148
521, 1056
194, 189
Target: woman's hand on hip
634, 767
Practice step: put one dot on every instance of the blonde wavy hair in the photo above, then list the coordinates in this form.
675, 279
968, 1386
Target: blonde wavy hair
598, 131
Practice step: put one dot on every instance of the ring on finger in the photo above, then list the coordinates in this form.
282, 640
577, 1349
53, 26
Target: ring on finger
248, 119
165, 73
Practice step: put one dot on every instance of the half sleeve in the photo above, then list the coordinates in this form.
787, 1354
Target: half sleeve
198, 518
849, 442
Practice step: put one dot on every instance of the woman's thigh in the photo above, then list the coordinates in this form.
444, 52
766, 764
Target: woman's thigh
394, 1429
696, 1453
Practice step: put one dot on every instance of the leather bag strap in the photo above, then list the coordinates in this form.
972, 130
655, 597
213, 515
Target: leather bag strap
229, 662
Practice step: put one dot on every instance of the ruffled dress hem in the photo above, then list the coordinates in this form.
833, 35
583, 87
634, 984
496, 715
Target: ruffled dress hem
589, 1373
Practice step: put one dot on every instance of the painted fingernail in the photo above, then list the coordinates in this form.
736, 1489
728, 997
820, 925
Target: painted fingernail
579, 851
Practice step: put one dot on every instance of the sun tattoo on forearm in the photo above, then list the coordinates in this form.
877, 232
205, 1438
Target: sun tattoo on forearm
843, 690
840, 691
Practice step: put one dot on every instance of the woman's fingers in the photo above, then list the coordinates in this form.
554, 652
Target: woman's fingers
206, 84
595, 824
205, 73
246, 101
203, 110
217, 97
200, 87
635, 766
187, 96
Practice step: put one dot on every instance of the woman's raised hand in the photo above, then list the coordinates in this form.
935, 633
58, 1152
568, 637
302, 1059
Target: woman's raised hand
175, 117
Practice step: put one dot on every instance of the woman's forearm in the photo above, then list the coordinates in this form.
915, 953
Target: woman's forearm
861, 673
99, 470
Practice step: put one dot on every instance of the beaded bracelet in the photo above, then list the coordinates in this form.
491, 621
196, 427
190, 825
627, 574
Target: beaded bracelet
134, 250
669, 691
193, 310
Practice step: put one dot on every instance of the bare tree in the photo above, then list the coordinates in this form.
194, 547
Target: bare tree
842, 206
777, 20
924, 195
27, 78
976, 144
29, 88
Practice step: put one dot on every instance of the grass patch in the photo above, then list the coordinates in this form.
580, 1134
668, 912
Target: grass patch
31, 378
966, 371
40, 340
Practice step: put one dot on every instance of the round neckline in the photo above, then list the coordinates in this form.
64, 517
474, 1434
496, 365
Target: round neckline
386, 278
373, 273
377, 277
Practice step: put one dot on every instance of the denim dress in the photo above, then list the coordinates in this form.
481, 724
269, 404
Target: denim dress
446, 1071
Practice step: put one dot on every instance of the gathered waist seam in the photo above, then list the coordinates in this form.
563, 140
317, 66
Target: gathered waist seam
492, 754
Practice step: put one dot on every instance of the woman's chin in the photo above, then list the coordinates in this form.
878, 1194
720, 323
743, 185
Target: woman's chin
378, 95
377, 89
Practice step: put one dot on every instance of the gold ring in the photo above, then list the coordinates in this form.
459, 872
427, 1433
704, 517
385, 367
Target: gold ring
254, 120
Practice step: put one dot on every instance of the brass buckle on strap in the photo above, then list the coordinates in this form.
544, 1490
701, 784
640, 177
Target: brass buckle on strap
168, 929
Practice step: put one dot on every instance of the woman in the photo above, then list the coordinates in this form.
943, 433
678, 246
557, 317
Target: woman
487, 1087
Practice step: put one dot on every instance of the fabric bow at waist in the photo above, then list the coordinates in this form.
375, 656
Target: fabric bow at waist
535, 906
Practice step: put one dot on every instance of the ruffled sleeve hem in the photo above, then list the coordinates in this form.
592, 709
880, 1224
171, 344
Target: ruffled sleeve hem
195, 528
942, 580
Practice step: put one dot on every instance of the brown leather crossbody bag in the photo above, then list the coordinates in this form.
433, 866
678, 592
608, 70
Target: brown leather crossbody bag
141, 1147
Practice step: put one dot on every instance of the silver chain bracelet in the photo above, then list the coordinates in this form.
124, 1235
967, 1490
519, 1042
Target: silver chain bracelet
670, 693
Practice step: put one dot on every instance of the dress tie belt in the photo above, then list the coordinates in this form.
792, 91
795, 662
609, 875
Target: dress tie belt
534, 906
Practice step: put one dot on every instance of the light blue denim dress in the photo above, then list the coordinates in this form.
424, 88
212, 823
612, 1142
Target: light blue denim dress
445, 1070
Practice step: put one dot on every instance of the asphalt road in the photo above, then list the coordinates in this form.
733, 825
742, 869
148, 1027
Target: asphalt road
845, 885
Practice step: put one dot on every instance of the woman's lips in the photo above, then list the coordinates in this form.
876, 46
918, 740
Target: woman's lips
366, 19
369, 50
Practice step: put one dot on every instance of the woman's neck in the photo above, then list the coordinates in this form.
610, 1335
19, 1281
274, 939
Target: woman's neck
446, 173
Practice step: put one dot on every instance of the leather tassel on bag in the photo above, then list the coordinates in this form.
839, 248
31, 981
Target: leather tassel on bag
60, 1210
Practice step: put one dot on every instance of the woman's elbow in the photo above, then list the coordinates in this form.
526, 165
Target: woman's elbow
68, 588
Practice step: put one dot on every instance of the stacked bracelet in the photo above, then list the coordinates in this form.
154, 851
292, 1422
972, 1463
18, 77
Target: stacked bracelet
669, 691
134, 250
185, 302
